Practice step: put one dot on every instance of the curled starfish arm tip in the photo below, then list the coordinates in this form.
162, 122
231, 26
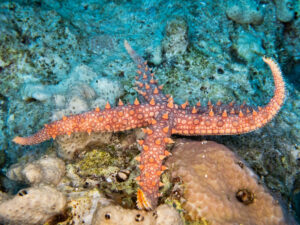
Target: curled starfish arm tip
26, 140
231, 119
142, 201
19, 140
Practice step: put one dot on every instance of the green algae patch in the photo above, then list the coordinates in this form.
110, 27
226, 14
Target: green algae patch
97, 163
105, 166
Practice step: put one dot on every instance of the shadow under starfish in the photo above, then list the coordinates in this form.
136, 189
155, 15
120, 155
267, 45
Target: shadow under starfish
162, 118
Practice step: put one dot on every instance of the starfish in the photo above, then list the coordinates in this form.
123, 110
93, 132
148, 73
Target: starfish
159, 118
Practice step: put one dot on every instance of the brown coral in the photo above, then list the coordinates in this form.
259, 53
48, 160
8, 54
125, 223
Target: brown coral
220, 188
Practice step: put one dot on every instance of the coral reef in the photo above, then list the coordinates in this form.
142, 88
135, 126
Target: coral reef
219, 187
50, 68
32, 206
47, 170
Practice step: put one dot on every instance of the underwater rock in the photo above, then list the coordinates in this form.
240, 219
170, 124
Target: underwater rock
47, 170
219, 187
32, 206
248, 47
108, 89
115, 215
35, 91
83, 90
27, 36
73, 105
175, 41
244, 12
155, 55
285, 10
70, 147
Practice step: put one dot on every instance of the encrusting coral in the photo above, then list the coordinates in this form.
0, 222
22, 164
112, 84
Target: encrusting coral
220, 188
163, 117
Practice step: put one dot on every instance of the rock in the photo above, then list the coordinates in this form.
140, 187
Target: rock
249, 47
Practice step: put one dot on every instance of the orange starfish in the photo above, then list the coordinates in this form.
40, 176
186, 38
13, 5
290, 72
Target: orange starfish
162, 118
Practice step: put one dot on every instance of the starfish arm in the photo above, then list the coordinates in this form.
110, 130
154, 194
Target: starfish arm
110, 119
229, 119
151, 158
146, 86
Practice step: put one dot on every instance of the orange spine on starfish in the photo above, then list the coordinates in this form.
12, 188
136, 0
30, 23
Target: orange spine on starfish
115, 119
230, 119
